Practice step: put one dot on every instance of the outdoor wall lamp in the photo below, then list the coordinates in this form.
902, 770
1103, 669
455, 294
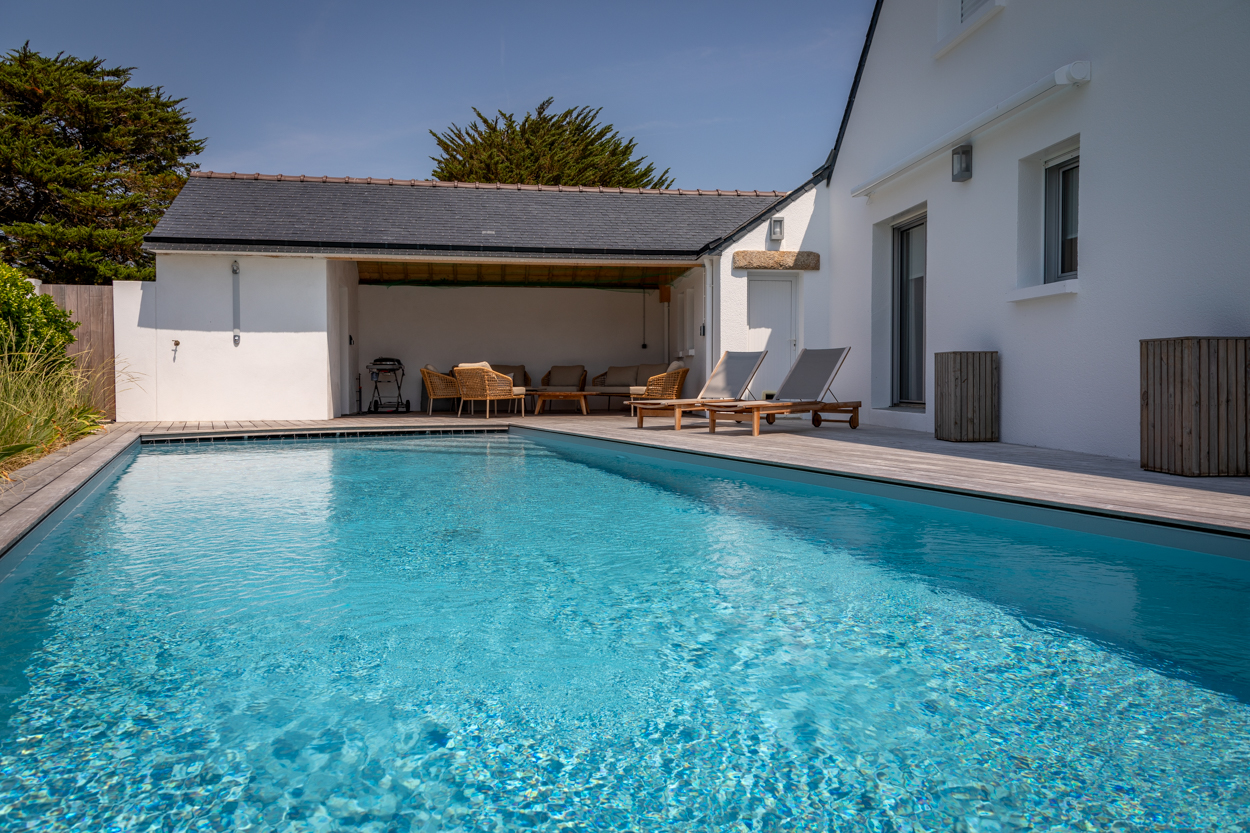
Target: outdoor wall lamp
961, 163
777, 228
234, 280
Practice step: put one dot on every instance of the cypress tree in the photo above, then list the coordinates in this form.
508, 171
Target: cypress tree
543, 148
88, 163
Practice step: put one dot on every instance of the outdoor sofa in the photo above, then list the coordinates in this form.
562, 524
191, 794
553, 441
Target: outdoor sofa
641, 381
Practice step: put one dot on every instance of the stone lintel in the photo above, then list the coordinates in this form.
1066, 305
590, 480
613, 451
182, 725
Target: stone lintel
754, 259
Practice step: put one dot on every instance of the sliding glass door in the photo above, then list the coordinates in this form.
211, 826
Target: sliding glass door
909, 280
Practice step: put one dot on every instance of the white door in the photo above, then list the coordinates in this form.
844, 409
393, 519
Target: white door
770, 322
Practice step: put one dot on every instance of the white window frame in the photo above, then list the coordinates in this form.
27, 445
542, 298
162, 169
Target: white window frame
1053, 218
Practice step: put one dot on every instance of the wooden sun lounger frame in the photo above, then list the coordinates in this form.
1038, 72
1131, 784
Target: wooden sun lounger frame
770, 408
677, 407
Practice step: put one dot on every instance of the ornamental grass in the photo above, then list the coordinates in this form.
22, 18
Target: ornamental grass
45, 402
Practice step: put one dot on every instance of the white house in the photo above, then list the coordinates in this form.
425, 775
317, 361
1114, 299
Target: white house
1117, 124
1121, 126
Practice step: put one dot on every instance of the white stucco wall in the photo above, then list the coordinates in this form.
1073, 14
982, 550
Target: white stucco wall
687, 313
1165, 188
807, 229
280, 368
534, 326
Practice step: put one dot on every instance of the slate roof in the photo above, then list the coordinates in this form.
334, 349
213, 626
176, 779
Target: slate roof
270, 213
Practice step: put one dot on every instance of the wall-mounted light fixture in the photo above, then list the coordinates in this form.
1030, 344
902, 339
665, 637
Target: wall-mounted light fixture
961, 163
777, 228
234, 272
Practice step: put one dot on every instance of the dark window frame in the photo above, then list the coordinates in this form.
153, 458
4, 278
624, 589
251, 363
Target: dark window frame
902, 341
1062, 254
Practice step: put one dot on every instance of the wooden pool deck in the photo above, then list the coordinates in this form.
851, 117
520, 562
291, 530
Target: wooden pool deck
1045, 477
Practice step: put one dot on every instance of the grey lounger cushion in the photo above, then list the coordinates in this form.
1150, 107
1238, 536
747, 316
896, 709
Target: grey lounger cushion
811, 375
732, 375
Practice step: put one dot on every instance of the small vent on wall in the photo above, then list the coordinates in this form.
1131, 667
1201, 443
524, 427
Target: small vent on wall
967, 8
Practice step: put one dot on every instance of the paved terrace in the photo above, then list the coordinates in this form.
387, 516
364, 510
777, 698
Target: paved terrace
1098, 485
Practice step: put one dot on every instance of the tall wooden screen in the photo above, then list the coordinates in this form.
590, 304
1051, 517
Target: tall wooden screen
92, 308
966, 396
1195, 397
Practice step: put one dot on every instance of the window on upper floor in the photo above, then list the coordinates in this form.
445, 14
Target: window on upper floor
967, 8
1063, 195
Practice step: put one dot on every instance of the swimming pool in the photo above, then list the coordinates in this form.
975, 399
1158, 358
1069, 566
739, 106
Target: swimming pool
489, 633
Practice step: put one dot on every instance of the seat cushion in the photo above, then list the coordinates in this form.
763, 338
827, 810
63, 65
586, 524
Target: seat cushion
638, 390
517, 391
614, 389
617, 376
566, 374
646, 371
475, 364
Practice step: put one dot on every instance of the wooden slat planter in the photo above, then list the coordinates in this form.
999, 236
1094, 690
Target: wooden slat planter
966, 396
92, 308
1195, 397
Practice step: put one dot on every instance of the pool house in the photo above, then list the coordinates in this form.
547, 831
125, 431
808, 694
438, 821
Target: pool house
273, 293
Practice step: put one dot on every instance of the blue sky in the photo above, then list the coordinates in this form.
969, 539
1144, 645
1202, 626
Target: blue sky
727, 95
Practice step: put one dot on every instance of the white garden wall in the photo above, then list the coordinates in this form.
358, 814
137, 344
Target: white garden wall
279, 370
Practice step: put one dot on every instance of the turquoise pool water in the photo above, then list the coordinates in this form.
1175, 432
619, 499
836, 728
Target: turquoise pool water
485, 633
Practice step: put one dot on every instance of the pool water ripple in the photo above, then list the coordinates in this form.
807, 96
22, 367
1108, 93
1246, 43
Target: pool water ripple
489, 634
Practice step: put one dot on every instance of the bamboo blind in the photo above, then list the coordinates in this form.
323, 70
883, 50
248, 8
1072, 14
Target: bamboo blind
966, 392
1195, 396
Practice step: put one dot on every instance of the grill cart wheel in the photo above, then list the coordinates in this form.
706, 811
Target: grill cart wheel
407, 405
771, 419
816, 419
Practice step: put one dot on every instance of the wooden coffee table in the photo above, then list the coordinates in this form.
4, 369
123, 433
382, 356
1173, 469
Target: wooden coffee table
542, 396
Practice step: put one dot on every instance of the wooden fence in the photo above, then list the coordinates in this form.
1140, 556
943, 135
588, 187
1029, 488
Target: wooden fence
1195, 406
92, 308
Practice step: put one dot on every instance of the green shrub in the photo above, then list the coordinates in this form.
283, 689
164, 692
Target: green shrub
37, 324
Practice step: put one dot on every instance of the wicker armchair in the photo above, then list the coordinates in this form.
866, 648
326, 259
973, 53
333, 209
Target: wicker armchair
439, 386
666, 385
480, 384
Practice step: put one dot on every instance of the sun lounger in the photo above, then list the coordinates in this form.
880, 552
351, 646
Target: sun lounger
802, 392
729, 382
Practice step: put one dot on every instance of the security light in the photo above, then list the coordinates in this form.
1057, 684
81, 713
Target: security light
961, 163
777, 228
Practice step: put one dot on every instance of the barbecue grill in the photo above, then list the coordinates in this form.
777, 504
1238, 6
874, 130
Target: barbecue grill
384, 372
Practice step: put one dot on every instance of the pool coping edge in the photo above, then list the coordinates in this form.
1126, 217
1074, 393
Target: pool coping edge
1178, 533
